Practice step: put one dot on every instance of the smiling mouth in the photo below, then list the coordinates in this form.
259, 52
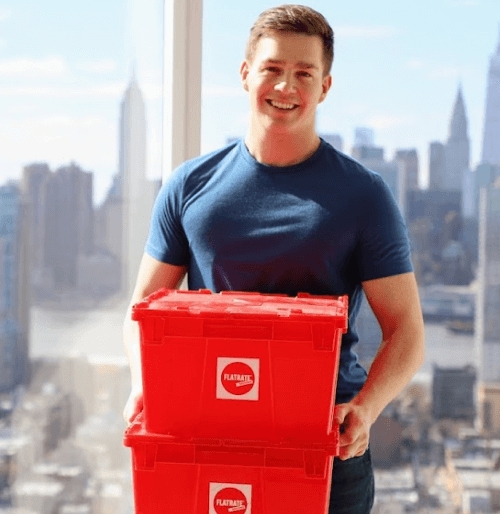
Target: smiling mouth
281, 105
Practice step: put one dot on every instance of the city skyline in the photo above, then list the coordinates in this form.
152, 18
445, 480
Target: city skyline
81, 127
59, 99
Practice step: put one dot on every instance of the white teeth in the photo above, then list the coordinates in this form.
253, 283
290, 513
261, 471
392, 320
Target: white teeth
280, 105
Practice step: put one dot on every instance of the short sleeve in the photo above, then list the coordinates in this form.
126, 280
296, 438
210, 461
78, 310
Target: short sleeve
383, 248
167, 241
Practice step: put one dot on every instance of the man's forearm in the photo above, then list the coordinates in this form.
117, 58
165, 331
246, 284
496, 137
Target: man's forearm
131, 339
396, 362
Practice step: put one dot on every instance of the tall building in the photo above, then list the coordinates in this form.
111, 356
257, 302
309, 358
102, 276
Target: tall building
408, 168
14, 288
364, 136
488, 319
68, 224
453, 393
469, 195
335, 140
491, 135
369, 333
136, 192
371, 156
108, 222
365, 152
436, 165
436, 205
33, 182
457, 151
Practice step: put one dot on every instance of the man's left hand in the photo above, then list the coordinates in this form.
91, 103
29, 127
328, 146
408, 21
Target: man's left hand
354, 425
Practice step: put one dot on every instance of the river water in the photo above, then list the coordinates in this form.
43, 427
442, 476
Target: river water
63, 333
56, 333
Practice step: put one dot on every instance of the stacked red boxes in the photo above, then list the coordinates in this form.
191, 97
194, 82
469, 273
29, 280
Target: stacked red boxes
239, 392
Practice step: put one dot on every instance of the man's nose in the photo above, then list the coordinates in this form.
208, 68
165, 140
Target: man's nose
286, 83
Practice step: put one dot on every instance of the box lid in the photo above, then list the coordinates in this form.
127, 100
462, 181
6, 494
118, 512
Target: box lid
150, 449
246, 304
136, 433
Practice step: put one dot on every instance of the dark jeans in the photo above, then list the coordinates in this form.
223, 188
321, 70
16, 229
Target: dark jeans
353, 486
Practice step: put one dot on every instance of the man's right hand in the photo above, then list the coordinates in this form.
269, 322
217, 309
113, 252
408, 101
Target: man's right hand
133, 406
153, 275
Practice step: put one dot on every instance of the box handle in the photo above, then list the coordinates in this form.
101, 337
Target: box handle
237, 330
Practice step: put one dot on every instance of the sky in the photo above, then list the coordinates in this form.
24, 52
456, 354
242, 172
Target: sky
64, 68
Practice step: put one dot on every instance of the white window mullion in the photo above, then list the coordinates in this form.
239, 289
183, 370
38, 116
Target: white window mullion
182, 82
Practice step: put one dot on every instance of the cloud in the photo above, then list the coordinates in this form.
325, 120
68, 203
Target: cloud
59, 138
65, 121
99, 66
27, 67
5, 13
365, 31
112, 90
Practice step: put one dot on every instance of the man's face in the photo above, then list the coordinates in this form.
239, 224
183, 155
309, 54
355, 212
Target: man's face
285, 81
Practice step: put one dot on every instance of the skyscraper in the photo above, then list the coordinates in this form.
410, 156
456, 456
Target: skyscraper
436, 165
364, 136
108, 222
457, 150
136, 192
373, 159
409, 168
335, 140
491, 135
488, 320
34, 179
14, 288
68, 223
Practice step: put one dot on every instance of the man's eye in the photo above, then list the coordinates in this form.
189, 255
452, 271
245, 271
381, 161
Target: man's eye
273, 69
303, 74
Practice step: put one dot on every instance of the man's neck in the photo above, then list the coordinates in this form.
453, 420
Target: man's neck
281, 149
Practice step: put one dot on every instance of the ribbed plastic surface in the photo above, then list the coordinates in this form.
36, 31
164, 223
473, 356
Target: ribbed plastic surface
241, 366
222, 477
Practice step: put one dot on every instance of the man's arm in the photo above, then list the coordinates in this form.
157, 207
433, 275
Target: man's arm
396, 305
153, 275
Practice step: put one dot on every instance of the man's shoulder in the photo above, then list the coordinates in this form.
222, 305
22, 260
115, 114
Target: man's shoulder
353, 168
210, 159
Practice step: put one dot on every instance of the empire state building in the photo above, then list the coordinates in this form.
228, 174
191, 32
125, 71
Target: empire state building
137, 192
491, 137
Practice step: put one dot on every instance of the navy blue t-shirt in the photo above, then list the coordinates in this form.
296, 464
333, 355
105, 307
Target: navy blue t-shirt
322, 226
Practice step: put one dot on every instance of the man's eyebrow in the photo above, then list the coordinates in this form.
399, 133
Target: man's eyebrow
300, 64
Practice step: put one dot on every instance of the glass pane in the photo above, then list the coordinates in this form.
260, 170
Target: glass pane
423, 113
80, 131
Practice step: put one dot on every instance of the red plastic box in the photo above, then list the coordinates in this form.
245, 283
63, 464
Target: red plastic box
242, 366
216, 477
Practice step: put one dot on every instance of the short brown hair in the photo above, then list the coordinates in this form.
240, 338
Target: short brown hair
293, 18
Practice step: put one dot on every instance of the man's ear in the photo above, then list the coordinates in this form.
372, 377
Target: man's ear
244, 69
325, 87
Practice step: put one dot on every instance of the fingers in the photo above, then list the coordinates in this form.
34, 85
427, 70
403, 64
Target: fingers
361, 452
356, 449
132, 408
354, 431
137, 407
340, 412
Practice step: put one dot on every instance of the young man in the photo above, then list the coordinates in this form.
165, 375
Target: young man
283, 212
